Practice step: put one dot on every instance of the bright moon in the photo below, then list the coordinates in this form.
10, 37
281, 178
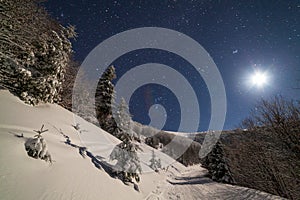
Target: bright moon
259, 79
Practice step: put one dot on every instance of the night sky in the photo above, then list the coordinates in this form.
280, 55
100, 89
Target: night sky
241, 36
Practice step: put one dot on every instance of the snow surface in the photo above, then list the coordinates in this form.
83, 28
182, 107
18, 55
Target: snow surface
72, 176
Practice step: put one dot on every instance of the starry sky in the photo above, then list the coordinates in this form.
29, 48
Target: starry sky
240, 36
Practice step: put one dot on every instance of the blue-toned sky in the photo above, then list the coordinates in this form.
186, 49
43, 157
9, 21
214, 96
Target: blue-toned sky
241, 37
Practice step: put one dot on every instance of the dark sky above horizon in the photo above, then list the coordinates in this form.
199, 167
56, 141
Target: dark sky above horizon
241, 37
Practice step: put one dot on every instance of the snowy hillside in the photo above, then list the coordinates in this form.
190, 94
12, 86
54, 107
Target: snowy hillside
76, 176
70, 176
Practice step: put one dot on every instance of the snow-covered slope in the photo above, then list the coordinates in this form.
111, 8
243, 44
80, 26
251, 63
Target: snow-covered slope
71, 176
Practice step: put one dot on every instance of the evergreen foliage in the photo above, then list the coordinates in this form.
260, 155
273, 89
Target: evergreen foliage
71, 73
37, 148
104, 100
128, 164
155, 163
34, 51
80, 99
123, 120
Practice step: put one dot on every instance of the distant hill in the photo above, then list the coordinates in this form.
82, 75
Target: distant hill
181, 148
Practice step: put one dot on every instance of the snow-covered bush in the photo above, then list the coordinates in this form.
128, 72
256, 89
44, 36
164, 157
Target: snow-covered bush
37, 148
34, 51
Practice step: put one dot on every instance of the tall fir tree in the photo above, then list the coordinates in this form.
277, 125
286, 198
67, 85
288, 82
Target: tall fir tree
104, 99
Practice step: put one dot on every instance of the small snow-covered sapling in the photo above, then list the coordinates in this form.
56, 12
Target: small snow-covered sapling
77, 126
36, 147
39, 132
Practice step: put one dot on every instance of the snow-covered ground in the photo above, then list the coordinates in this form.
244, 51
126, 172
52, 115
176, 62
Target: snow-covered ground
72, 176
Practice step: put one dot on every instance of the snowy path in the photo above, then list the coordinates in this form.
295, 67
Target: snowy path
192, 184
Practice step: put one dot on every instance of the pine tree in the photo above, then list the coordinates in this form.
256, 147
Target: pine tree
155, 163
104, 100
72, 72
81, 100
123, 120
128, 163
34, 51
105, 96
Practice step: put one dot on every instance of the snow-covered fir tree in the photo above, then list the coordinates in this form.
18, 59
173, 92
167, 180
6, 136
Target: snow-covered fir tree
155, 163
128, 164
123, 120
104, 100
83, 102
34, 51
72, 73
